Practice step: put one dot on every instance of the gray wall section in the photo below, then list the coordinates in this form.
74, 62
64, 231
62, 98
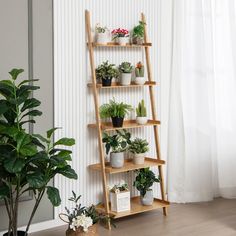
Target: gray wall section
14, 53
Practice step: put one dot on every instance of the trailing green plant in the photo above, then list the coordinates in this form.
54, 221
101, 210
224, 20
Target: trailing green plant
141, 110
27, 161
139, 70
138, 145
106, 71
138, 30
114, 109
125, 67
118, 142
101, 29
144, 180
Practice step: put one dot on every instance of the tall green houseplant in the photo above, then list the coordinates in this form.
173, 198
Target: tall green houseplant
27, 161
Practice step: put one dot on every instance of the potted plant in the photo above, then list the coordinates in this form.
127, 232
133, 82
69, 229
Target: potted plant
138, 147
139, 74
143, 182
117, 143
120, 197
27, 161
125, 69
121, 36
138, 33
105, 72
101, 34
141, 113
115, 111
82, 221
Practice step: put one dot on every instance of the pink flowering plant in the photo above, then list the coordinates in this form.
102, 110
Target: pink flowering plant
118, 33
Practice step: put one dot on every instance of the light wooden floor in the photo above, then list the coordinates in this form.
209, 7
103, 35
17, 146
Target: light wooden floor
216, 218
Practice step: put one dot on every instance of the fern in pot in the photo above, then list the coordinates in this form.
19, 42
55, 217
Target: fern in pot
138, 147
143, 182
117, 144
125, 69
106, 72
27, 161
115, 111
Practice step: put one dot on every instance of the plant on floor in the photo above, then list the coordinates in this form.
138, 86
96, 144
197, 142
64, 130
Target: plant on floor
144, 180
138, 146
106, 72
139, 69
27, 161
117, 111
81, 218
125, 67
138, 33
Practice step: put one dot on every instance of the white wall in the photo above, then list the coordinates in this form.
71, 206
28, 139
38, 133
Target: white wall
74, 107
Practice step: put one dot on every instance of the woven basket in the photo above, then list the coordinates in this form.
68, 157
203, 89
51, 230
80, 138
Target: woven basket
92, 231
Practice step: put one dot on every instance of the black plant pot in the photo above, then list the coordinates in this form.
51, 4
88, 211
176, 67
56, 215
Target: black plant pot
117, 121
19, 233
106, 82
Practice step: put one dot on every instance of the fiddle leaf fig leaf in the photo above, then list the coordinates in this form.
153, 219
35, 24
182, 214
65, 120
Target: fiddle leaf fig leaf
50, 132
36, 180
3, 106
4, 191
68, 172
14, 164
53, 195
30, 103
28, 150
65, 142
15, 72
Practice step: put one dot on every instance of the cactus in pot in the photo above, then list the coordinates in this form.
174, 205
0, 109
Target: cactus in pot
125, 69
141, 113
139, 74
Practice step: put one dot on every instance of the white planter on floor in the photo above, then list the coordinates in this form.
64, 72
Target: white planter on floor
141, 120
139, 158
125, 78
139, 80
120, 201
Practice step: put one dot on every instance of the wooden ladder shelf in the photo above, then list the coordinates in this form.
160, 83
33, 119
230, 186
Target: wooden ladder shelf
105, 168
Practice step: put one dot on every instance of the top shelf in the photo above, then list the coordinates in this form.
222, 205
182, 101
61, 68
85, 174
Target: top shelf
116, 45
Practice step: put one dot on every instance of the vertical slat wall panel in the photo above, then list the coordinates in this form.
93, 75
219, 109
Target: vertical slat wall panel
74, 107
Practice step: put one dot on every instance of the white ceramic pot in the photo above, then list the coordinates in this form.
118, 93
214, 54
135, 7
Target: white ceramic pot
117, 159
125, 79
139, 158
122, 40
141, 120
147, 199
102, 38
139, 80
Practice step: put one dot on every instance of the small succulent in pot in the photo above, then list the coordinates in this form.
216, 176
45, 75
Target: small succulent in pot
121, 36
125, 69
143, 182
139, 74
138, 33
117, 143
102, 34
141, 113
138, 147
116, 111
106, 72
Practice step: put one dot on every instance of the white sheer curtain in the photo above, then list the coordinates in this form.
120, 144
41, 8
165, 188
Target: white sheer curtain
202, 117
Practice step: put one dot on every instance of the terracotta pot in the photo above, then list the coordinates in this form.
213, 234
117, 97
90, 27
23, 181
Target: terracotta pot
92, 231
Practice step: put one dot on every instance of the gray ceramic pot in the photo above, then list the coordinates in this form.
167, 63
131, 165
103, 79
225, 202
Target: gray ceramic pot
117, 159
147, 200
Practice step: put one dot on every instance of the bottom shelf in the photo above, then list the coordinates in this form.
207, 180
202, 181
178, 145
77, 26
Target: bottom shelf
136, 207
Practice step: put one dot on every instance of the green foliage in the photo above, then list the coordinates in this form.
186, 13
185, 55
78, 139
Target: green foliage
101, 29
138, 30
138, 145
139, 69
144, 180
125, 67
141, 110
118, 142
114, 109
27, 161
106, 71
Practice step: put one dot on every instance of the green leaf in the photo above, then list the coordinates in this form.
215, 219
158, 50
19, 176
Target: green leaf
68, 172
40, 137
65, 142
36, 180
32, 113
28, 150
54, 196
58, 161
26, 89
50, 132
27, 121
27, 81
30, 103
7, 89
3, 106
4, 191
14, 164
15, 72
22, 139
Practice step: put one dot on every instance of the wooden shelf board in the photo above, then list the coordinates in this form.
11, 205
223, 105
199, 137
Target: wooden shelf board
117, 85
128, 124
136, 207
128, 166
116, 45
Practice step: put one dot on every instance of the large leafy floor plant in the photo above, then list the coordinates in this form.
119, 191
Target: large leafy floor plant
27, 161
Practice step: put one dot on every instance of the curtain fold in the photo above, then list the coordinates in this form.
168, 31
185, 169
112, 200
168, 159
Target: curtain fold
202, 112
